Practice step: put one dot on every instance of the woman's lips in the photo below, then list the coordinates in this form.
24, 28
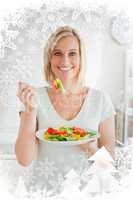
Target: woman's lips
65, 69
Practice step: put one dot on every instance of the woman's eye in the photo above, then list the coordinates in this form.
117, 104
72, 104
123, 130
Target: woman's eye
72, 54
57, 54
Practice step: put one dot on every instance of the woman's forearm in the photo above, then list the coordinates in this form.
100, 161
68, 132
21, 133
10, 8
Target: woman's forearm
90, 148
26, 142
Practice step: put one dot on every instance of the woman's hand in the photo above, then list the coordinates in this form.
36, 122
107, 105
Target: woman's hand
27, 95
90, 148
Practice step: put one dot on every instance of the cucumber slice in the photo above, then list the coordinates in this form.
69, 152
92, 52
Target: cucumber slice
69, 138
92, 133
57, 137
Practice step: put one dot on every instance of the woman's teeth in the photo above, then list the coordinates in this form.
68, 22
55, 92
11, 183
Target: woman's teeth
65, 68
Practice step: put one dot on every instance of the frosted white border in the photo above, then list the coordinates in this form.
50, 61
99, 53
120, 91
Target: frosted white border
121, 35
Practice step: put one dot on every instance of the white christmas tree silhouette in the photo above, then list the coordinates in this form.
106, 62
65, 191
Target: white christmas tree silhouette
70, 187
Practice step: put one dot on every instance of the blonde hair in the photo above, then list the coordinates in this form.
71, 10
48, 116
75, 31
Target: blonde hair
52, 41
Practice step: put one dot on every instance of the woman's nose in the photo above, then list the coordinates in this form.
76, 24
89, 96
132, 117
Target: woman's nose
65, 60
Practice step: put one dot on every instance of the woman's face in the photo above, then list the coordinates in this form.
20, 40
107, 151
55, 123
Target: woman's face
65, 58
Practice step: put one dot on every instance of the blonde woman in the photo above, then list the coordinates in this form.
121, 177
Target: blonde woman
81, 106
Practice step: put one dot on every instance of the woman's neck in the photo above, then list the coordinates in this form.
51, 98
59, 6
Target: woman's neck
72, 85
69, 84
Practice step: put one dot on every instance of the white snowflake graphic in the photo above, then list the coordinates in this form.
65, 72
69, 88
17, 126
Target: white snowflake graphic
32, 33
20, 18
9, 36
45, 168
10, 76
120, 28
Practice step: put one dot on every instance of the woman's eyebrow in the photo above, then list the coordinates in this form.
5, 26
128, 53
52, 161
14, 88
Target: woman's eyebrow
68, 50
57, 50
73, 49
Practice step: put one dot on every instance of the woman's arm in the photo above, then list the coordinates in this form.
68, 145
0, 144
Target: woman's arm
26, 142
107, 135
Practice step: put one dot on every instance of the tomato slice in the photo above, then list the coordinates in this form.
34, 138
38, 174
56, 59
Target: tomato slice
54, 85
62, 132
52, 131
79, 131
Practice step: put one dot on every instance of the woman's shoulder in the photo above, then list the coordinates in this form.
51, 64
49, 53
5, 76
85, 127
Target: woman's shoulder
99, 93
101, 96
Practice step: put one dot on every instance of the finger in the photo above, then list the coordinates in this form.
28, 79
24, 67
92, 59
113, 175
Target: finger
33, 101
24, 90
28, 94
28, 98
23, 95
21, 87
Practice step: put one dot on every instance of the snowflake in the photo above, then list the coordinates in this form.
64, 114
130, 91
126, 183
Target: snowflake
27, 172
76, 13
8, 37
19, 19
88, 17
30, 13
51, 26
120, 27
49, 168
24, 67
56, 184
10, 76
7, 80
123, 162
11, 34
32, 33
97, 18
49, 21
46, 168
9, 44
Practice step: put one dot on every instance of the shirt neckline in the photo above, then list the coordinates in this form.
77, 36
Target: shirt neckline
77, 115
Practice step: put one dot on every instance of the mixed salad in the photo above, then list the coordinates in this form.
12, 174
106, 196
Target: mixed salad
67, 134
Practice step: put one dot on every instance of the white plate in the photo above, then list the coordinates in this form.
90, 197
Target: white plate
40, 135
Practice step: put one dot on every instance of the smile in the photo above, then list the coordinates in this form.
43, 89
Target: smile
65, 68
